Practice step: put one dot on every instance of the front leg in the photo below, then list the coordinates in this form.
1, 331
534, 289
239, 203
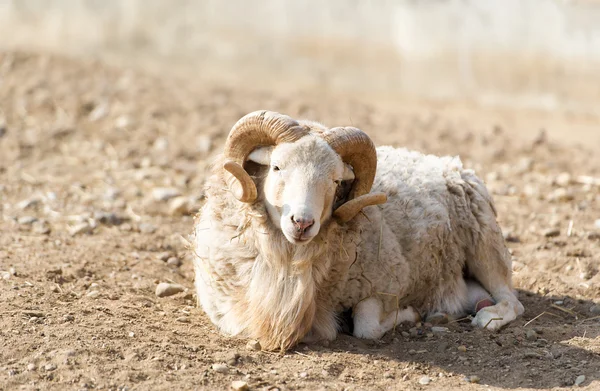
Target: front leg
371, 323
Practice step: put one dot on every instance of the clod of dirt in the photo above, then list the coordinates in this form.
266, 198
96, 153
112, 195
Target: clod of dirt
239, 385
253, 345
552, 232
165, 289
595, 309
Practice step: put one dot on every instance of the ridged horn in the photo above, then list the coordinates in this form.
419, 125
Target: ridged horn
259, 128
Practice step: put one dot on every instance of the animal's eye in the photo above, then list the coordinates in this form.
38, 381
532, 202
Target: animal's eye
275, 168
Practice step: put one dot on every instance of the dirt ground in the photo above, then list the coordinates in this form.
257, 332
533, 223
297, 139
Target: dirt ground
101, 171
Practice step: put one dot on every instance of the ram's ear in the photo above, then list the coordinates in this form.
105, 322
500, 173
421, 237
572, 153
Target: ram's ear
348, 173
261, 155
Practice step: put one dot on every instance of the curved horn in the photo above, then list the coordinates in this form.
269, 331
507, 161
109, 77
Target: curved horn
355, 148
258, 128
351, 208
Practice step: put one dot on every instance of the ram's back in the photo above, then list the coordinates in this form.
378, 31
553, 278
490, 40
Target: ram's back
434, 216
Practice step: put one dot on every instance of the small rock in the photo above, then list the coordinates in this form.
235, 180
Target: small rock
597, 223
80, 229
473, 379
425, 380
26, 204
531, 335
561, 194
165, 289
31, 367
595, 309
462, 348
165, 193
180, 206
147, 228
27, 220
253, 345
49, 367
563, 180
183, 319
303, 375
174, 262
579, 380
69, 318
161, 144
98, 112
405, 334
220, 368
239, 385
93, 294
593, 235
40, 227
131, 334
552, 232
438, 329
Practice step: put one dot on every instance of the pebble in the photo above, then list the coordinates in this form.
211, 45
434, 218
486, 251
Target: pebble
438, 329
462, 348
425, 380
253, 345
220, 368
41, 227
593, 235
473, 379
597, 223
165, 193
49, 367
27, 220
147, 228
595, 309
30, 203
561, 194
31, 367
563, 179
179, 206
183, 319
531, 335
93, 294
174, 262
303, 375
79, 229
552, 232
165, 289
239, 385
579, 380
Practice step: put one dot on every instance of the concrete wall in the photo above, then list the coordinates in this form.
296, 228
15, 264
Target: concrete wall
533, 53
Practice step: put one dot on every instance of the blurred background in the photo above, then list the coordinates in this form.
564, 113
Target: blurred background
540, 54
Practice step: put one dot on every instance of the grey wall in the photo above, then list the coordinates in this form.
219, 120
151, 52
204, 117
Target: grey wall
531, 53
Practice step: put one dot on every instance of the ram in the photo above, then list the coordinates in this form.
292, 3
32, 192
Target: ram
296, 230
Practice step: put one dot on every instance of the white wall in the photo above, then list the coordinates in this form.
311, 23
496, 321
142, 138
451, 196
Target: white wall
539, 53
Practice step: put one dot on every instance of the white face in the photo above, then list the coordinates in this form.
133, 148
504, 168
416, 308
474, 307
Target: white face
301, 185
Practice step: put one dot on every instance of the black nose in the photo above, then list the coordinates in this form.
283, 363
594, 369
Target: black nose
302, 224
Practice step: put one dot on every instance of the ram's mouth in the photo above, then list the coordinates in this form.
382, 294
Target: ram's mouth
298, 239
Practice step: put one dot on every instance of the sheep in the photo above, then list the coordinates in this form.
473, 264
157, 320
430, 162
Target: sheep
302, 223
